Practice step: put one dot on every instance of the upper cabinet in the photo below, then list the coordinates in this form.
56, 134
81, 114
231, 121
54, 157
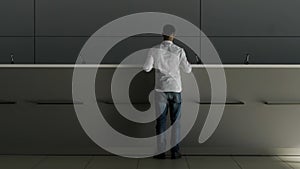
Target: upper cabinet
261, 50
251, 18
16, 17
84, 17
56, 50
18, 49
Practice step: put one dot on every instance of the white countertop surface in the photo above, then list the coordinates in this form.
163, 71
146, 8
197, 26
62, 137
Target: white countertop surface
140, 66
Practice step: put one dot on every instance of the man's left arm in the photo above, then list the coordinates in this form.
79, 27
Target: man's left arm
149, 62
184, 64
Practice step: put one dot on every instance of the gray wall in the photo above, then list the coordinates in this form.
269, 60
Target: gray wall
44, 31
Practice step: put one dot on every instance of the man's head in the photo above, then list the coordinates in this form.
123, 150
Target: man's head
168, 32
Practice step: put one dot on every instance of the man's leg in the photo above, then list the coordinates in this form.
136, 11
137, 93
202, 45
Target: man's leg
175, 107
161, 121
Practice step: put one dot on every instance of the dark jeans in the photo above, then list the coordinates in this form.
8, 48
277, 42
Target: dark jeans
167, 101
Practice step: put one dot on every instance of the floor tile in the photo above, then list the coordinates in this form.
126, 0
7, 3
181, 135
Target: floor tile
150, 163
19, 162
115, 162
64, 162
293, 161
112, 162
212, 162
261, 162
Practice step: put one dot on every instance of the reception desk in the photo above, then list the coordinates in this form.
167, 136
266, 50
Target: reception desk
261, 115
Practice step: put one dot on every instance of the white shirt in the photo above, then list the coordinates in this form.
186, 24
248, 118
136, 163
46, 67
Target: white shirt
167, 58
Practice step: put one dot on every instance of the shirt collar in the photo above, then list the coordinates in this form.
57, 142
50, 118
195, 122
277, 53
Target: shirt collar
168, 41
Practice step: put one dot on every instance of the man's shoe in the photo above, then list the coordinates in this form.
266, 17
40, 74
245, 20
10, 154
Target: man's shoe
160, 156
175, 155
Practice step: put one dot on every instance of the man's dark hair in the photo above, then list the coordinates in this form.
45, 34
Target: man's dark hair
168, 30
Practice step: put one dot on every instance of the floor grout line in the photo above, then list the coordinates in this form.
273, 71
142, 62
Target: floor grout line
88, 162
39, 162
138, 163
187, 162
285, 162
236, 162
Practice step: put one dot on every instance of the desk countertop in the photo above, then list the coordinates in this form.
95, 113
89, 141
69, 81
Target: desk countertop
140, 66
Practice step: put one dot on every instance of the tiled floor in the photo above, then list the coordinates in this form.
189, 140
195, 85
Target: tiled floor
114, 162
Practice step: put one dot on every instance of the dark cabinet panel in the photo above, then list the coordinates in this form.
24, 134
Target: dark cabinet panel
84, 17
20, 47
16, 17
251, 18
188, 9
67, 49
262, 50
58, 50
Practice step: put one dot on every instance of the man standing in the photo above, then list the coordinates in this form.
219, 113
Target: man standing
168, 59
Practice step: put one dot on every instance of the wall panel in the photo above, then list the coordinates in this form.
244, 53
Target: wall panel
251, 18
21, 47
16, 17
